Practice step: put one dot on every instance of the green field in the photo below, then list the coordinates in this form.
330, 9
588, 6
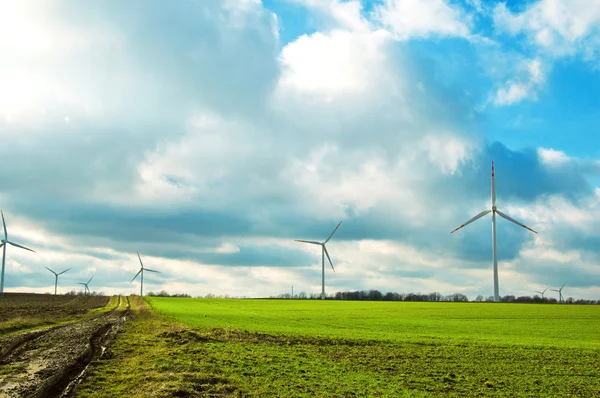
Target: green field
459, 323
287, 348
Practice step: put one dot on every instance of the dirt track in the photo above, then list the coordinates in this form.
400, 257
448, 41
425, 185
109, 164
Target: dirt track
50, 362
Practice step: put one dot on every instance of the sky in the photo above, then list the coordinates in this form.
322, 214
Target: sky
209, 134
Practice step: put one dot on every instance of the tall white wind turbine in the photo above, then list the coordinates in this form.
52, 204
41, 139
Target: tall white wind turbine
560, 296
494, 211
542, 292
86, 287
323, 253
141, 271
56, 277
3, 246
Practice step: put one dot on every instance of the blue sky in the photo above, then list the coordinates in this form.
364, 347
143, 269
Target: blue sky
209, 135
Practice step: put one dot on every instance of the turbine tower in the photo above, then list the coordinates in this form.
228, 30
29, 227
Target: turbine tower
86, 287
542, 292
141, 271
3, 246
494, 211
323, 253
560, 296
56, 277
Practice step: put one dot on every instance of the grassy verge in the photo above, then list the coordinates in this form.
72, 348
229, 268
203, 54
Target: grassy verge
155, 356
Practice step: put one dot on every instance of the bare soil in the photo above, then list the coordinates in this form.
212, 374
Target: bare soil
51, 362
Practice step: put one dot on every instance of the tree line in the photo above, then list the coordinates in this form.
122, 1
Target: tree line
376, 295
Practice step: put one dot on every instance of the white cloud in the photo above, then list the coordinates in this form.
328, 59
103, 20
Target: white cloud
552, 157
422, 18
530, 78
557, 27
334, 63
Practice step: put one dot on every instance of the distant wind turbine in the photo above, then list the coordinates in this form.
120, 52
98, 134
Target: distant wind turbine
56, 277
86, 288
494, 211
323, 253
560, 296
141, 271
542, 292
3, 246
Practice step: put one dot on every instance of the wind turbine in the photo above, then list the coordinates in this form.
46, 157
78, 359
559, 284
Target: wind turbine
87, 289
323, 253
56, 277
560, 296
494, 211
542, 292
141, 271
3, 246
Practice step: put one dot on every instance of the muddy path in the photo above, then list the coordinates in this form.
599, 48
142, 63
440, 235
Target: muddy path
51, 362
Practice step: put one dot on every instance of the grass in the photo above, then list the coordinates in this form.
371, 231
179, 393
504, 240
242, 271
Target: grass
276, 348
510, 324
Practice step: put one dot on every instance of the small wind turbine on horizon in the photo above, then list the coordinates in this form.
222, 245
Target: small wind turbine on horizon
560, 296
3, 246
542, 292
494, 210
86, 287
323, 253
56, 277
141, 271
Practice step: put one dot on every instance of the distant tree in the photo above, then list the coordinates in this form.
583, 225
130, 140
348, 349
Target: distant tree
524, 299
302, 295
435, 296
507, 299
479, 299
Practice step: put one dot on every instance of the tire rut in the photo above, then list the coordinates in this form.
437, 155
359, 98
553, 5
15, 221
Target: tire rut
52, 362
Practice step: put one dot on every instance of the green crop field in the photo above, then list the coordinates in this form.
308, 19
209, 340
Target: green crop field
506, 324
295, 348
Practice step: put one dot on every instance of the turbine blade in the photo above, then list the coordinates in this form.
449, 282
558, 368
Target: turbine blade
308, 241
64, 271
4, 224
493, 186
50, 270
136, 275
477, 217
336, 228
544, 290
81, 283
142, 264
151, 270
22, 247
562, 286
90, 280
328, 258
514, 221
